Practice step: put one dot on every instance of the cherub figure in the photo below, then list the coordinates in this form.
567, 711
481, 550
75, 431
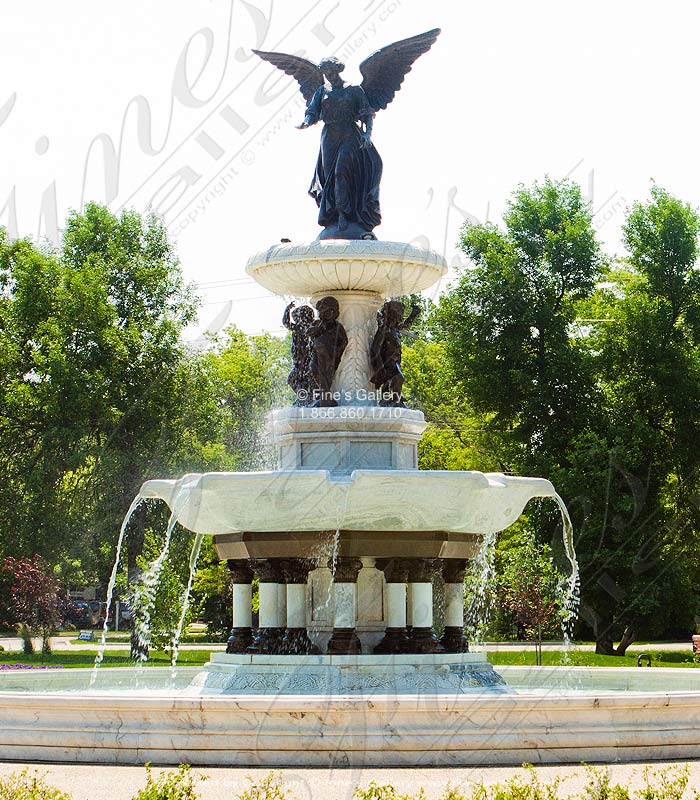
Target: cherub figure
385, 351
299, 320
328, 343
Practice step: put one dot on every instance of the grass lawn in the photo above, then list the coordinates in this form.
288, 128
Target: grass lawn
578, 658
113, 658
125, 638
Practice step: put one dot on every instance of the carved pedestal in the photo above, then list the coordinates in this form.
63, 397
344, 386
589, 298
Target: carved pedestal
344, 640
453, 638
241, 633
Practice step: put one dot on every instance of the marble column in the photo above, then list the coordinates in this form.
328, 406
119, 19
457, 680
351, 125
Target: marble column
396, 636
453, 639
295, 572
270, 626
420, 578
242, 631
344, 640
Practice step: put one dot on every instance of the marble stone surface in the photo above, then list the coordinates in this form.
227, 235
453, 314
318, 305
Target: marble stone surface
389, 269
535, 724
346, 438
334, 675
366, 500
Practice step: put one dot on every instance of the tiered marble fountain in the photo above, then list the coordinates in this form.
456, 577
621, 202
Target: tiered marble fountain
347, 537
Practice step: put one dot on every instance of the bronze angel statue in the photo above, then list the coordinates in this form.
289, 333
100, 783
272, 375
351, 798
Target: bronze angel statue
345, 185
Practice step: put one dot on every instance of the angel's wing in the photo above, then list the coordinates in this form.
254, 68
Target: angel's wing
307, 73
383, 72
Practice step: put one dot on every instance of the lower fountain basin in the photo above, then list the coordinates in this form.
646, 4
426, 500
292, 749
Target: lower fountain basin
543, 715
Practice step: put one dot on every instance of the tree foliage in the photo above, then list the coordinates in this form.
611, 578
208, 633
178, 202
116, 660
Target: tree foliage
587, 373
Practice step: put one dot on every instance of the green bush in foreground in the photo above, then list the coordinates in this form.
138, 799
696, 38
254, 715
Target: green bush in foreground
29, 786
663, 784
269, 788
175, 785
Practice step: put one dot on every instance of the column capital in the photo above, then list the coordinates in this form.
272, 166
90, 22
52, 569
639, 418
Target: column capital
295, 570
421, 570
240, 570
267, 570
453, 569
346, 569
395, 569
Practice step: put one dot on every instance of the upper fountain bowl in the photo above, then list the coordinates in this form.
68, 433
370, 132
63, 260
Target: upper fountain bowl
390, 269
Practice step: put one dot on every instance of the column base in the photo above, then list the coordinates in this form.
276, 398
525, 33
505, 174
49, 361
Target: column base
423, 641
296, 642
344, 642
395, 641
267, 641
239, 640
454, 640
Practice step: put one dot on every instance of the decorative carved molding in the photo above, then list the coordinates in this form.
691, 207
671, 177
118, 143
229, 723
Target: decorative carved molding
240, 640
395, 569
388, 268
453, 640
240, 570
267, 570
421, 570
454, 570
346, 569
295, 570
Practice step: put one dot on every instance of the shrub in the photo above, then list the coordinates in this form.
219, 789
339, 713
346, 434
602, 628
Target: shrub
174, 785
384, 792
29, 786
269, 788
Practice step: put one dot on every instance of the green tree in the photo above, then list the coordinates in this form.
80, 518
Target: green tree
643, 543
506, 325
528, 589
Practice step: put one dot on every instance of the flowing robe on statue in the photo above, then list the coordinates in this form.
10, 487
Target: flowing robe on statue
347, 176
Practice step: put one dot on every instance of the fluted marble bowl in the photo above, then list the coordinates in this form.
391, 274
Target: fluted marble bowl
390, 269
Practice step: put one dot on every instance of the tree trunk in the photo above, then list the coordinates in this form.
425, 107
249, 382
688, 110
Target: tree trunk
628, 636
602, 630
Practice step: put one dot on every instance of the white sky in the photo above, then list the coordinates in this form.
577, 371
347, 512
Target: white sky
606, 92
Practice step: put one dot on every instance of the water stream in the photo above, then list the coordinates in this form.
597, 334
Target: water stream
482, 577
568, 586
99, 658
194, 557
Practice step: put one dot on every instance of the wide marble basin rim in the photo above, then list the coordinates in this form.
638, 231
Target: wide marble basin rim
383, 268
366, 500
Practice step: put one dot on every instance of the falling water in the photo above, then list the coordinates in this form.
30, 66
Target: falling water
145, 591
482, 578
568, 588
194, 556
136, 502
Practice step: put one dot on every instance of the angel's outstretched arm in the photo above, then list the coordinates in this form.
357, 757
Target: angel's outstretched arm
313, 110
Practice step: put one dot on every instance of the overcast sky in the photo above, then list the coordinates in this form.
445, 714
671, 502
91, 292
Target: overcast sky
160, 104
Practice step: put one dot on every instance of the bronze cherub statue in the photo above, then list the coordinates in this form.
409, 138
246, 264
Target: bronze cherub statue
298, 320
385, 351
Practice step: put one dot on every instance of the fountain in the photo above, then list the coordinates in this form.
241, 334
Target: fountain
346, 538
